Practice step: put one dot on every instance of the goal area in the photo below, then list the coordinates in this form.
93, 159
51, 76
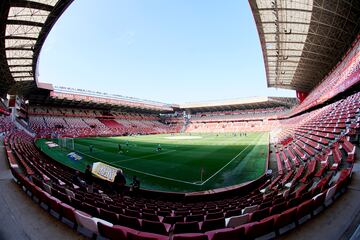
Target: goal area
66, 142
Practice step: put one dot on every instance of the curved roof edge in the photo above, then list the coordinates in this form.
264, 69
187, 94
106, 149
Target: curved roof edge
23, 29
303, 40
251, 102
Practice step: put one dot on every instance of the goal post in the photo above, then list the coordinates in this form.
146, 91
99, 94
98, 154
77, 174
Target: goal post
67, 143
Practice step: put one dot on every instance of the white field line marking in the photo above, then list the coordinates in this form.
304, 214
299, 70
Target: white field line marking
227, 164
145, 173
145, 156
167, 178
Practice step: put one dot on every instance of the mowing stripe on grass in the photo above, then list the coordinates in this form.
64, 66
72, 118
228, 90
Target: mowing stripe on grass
177, 171
145, 173
177, 180
146, 156
227, 164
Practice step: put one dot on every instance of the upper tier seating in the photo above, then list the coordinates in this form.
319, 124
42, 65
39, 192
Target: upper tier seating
336, 81
76, 123
223, 127
259, 113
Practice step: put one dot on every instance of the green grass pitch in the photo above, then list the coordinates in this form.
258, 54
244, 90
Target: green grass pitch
185, 163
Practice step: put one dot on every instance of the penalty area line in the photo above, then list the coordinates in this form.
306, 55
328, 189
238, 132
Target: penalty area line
145, 173
227, 164
142, 157
162, 177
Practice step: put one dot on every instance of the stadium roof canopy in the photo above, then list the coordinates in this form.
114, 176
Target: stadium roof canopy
302, 40
238, 104
59, 96
24, 27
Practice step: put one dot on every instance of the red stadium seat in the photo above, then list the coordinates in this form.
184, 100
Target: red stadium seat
186, 227
145, 236
259, 214
114, 232
236, 221
285, 218
304, 209
173, 219
131, 222
212, 224
155, 227
190, 236
227, 233
68, 212
257, 229
108, 216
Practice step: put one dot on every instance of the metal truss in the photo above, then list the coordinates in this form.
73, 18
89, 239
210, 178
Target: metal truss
303, 40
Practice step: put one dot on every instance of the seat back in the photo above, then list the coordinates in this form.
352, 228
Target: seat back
197, 217
111, 232
278, 208
145, 236
186, 227
227, 233
285, 218
304, 209
330, 193
259, 214
131, 222
132, 213
250, 209
318, 200
214, 215
190, 236
233, 212
173, 219
88, 208
260, 228
154, 227
237, 220
67, 211
108, 215
150, 216
86, 221
212, 224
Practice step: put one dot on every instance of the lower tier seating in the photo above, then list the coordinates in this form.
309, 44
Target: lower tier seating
310, 174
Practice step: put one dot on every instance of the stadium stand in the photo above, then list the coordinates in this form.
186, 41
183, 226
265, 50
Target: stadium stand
313, 170
314, 158
6, 124
52, 121
314, 141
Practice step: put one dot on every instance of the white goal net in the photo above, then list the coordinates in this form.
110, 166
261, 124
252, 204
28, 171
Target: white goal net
66, 143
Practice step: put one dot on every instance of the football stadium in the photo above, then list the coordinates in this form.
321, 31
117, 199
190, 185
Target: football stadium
86, 164
205, 158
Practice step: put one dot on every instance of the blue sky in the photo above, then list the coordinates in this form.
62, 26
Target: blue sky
172, 51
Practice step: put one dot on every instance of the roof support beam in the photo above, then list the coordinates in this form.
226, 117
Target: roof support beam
21, 22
